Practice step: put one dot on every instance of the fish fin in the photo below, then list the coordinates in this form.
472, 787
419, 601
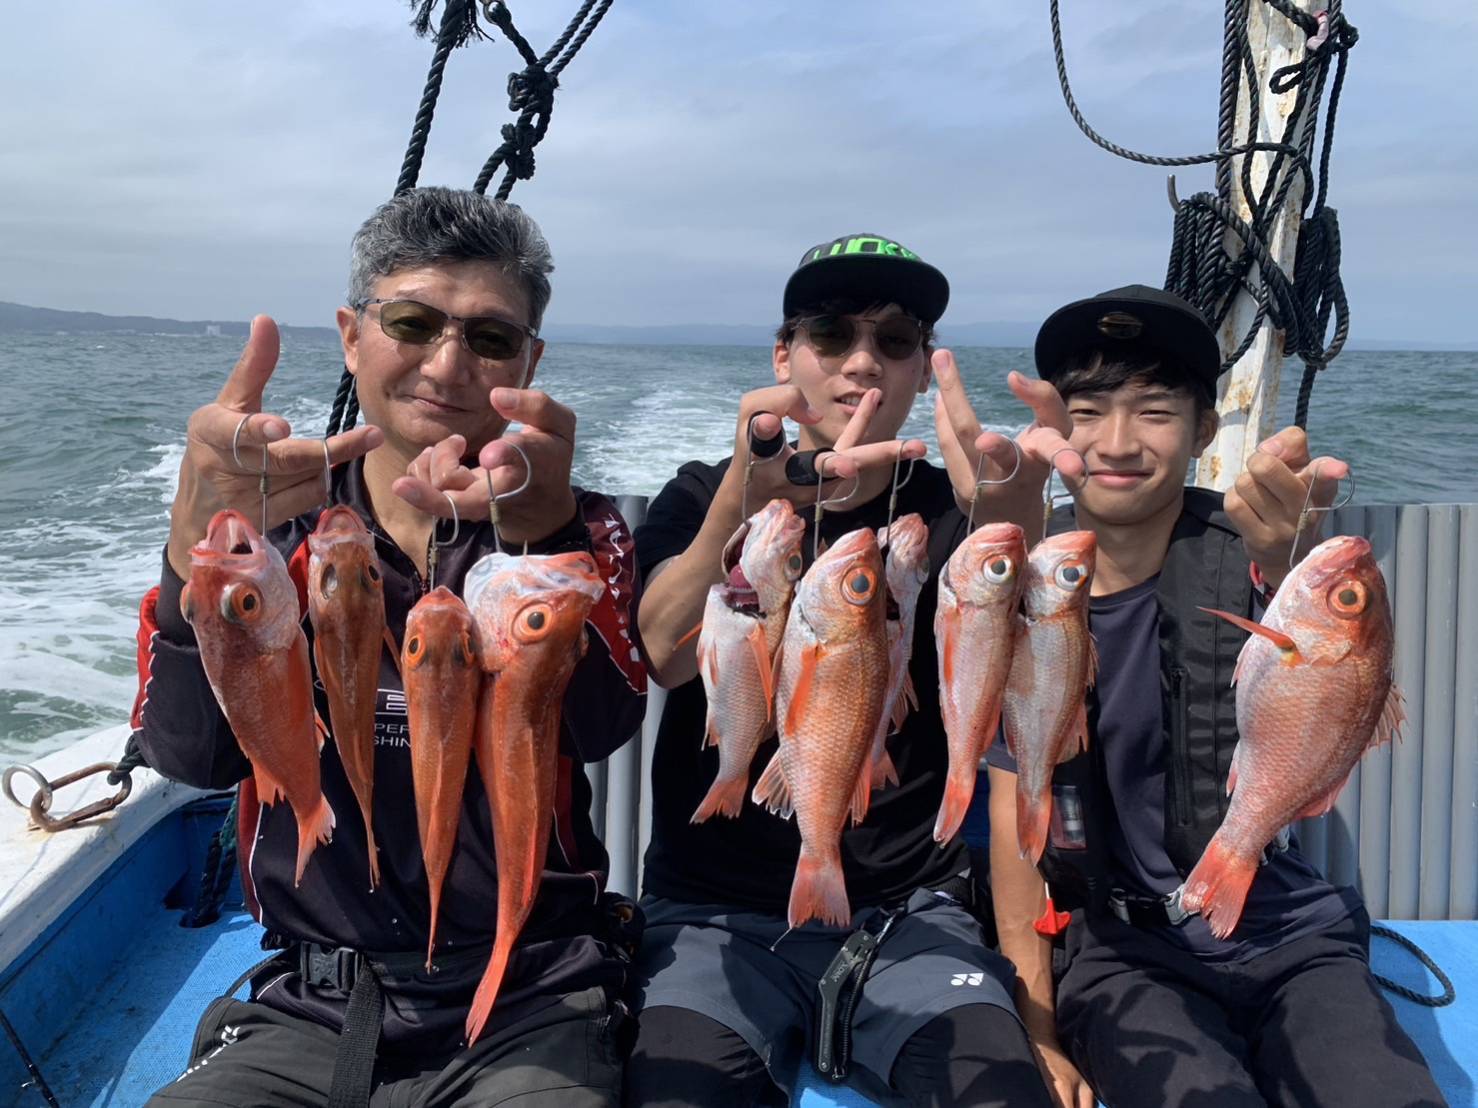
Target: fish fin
907, 701
321, 729
959, 789
1092, 660
861, 794
435, 912
1322, 805
884, 772
269, 789
1079, 737
773, 791
819, 890
760, 648
1217, 888
487, 990
947, 650
1033, 822
1277, 638
801, 692
374, 854
1232, 770
724, 798
314, 827
708, 660
394, 648
710, 732
1392, 716
682, 642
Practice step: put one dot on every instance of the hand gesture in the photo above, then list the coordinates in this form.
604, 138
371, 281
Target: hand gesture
1265, 501
541, 476
224, 447
1043, 446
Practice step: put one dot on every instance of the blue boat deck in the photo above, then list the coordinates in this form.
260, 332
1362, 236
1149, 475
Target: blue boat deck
107, 1000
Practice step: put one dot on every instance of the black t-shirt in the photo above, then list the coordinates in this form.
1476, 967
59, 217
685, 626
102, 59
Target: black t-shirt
1288, 898
749, 861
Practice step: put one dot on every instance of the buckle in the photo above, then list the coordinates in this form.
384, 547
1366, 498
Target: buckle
1118, 905
1149, 911
334, 967
1175, 914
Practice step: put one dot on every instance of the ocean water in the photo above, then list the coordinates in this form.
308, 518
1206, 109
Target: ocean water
92, 431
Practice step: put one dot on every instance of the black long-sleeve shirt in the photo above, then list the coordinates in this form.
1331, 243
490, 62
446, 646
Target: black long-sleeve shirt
184, 736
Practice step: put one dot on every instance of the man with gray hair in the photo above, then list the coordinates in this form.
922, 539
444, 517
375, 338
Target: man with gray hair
440, 332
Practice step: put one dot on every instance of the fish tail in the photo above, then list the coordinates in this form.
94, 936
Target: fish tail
314, 826
435, 911
959, 789
487, 989
1217, 888
1033, 824
374, 854
725, 798
819, 890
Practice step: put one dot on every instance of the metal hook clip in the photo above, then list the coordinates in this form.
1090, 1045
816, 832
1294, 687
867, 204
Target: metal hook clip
1174, 199
982, 481
432, 555
328, 474
893, 492
262, 483
1309, 509
822, 503
494, 515
753, 457
1048, 500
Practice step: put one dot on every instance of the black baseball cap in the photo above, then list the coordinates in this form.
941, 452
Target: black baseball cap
1135, 317
873, 269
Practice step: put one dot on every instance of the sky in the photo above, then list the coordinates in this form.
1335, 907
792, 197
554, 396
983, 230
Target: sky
195, 160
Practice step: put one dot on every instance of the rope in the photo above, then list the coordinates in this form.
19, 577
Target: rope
132, 759
530, 94
1449, 994
215, 877
1201, 268
37, 1081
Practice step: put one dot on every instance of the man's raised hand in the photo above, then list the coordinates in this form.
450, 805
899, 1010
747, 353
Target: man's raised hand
222, 465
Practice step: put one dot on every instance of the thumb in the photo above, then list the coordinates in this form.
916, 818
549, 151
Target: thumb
243, 388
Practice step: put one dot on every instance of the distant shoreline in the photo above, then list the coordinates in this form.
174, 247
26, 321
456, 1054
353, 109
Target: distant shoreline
24, 319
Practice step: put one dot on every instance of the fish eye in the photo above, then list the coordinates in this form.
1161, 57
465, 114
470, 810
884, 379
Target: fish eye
414, 647
999, 569
533, 623
1348, 598
860, 586
241, 603
1071, 575
793, 566
464, 650
328, 581
373, 571
923, 569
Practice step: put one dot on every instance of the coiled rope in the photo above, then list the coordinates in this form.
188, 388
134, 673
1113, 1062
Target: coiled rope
1202, 269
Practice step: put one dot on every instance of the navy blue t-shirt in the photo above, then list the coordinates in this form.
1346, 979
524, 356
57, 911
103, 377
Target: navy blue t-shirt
1288, 898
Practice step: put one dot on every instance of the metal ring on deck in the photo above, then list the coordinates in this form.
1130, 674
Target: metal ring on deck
39, 804
43, 786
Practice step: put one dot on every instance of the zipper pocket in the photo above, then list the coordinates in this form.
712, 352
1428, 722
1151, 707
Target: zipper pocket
1179, 759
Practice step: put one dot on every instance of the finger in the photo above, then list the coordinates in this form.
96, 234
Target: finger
420, 469
243, 388
957, 461
1046, 402
1046, 447
287, 500
856, 427
958, 411
223, 429
1281, 489
781, 400
1290, 446
765, 426
472, 502
873, 454
523, 451
536, 409
1326, 473
1002, 453
446, 459
305, 456
1264, 507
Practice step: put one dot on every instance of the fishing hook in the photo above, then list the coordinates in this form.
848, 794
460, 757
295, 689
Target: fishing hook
1048, 501
893, 493
981, 481
494, 515
757, 451
262, 483
328, 474
432, 556
1309, 509
821, 506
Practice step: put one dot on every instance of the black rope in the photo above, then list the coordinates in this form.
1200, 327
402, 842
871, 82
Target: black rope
215, 876
1201, 269
132, 759
37, 1081
1449, 994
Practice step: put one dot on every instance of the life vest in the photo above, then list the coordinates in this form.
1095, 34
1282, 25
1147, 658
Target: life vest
1205, 567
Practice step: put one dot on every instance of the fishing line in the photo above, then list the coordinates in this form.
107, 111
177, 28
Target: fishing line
983, 481
1308, 510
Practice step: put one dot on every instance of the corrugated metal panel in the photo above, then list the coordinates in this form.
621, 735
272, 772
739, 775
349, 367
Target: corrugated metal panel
1405, 829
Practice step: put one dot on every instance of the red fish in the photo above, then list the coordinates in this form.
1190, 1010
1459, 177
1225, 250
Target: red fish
1314, 692
975, 628
1052, 667
442, 681
244, 609
346, 603
833, 671
530, 615
743, 622
905, 568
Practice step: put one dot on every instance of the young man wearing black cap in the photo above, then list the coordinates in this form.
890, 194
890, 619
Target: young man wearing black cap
1149, 1006
730, 1000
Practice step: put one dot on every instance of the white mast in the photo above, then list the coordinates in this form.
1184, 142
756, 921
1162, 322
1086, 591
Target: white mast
1247, 395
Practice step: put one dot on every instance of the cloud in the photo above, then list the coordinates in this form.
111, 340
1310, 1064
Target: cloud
213, 162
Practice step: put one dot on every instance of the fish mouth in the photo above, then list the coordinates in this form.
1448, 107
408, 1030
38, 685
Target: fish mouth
230, 533
340, 519
733, 550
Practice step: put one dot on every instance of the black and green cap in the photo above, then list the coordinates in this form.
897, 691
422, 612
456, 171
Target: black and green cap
872, 269
1135, 317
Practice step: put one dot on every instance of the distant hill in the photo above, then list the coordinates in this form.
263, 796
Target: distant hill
20, 318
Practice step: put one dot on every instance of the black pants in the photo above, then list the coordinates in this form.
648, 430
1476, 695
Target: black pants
252, 1054
1303, 1025
976, 1054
